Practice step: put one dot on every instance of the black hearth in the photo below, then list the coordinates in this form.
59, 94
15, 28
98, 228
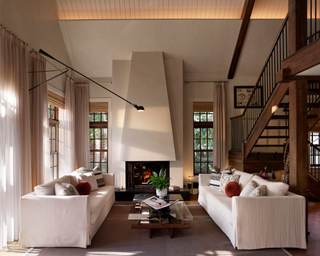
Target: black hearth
138, 172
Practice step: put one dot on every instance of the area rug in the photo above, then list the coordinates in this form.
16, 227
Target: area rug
115, 237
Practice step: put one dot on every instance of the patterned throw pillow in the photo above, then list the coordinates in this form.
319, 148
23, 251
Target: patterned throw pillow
71, 188
215, 180
99, 178
249, 188
259, 191
226, 178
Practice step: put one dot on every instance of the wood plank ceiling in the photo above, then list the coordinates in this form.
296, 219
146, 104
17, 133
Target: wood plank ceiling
168, 9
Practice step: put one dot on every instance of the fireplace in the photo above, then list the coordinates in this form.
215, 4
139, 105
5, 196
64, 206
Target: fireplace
138, 173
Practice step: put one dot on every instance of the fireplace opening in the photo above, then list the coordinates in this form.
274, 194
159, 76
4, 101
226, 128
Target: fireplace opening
138, 173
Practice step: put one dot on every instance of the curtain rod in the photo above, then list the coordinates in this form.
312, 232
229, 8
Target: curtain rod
13, 34
206, 81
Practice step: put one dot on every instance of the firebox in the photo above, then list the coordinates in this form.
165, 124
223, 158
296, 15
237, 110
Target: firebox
138, 173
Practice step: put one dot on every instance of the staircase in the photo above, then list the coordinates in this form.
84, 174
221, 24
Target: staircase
260, 133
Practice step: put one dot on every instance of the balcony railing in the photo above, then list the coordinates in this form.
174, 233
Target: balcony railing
241, 126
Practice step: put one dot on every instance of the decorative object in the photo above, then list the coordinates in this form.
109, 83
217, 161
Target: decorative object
84, 188
242, 95
159, 182
232, 189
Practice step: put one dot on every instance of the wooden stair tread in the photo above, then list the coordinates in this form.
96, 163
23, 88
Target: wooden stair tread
277, 127
274, 137
287, 117
269, 145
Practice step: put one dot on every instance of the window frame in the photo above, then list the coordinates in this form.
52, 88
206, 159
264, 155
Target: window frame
54, 122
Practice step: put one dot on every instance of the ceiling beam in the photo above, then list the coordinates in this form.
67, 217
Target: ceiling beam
246, 14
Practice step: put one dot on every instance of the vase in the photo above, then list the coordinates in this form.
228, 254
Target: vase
161, 193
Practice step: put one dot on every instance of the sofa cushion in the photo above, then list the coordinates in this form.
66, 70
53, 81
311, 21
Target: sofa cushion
75, 175
227, 170
215, 180
71, 188
84, 188
273, 188
98, 200
226, 178
259, 191
98, 176
244, 178
89, 177
61, 190
249, 188
232, 189
49, 187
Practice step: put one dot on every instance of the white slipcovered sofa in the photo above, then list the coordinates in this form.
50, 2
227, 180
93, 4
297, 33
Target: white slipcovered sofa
256, 222
64, 221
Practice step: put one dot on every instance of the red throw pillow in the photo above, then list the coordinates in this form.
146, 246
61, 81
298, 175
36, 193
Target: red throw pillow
84, 188
232, 189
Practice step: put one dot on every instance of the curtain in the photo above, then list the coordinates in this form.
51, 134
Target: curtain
82, 125
219, 135
15, 162
67, 131
40, 125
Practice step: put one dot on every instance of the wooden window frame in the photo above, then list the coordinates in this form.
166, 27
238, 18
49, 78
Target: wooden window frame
54, 122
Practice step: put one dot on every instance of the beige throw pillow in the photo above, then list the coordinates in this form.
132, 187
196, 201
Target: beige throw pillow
249, 188
61, 190
273, 188
89, 177
259, 191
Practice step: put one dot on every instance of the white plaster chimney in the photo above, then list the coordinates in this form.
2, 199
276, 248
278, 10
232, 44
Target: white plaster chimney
147, 136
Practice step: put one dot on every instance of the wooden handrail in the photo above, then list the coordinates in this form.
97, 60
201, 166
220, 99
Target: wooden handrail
276, 40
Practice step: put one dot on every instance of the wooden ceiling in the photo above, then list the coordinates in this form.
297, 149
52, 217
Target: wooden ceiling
167, 9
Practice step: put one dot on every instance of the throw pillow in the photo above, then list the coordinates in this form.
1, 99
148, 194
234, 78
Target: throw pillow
226, 178
215, 169
232, 189
71, 188
215, 180
259, 191
249, 188
274, 188
227, 170
89, 177
61, 190
84, 188
99, 178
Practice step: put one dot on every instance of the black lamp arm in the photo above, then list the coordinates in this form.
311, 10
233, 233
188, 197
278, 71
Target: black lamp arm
48, 80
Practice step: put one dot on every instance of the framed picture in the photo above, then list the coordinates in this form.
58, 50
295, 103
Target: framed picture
242, 95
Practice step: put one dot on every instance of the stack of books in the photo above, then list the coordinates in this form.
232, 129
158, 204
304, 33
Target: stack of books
174, 188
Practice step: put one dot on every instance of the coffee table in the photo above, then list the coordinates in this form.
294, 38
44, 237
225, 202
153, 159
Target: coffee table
174, 217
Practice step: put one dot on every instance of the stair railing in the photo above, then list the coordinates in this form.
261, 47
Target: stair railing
241, 126
313, 23
314, 161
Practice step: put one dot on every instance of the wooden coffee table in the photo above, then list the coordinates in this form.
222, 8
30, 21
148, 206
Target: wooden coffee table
177, 216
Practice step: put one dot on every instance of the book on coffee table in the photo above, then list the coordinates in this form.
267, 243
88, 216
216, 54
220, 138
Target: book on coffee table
157, 203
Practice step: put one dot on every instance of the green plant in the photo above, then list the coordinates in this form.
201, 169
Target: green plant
159, 181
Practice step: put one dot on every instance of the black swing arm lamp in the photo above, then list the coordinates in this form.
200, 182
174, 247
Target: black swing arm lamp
139, 108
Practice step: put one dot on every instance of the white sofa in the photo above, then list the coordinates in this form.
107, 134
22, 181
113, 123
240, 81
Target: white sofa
256, 222
64, 221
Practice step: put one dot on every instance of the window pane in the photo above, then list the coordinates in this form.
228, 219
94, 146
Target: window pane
53, 146
49, 116
196, 144
103, 167
53, 132
104, 132
97, 133
210, 156
51, 173
210, 117
91, 117
97, 117
97, 144
204, 167
91, 166
210, 166
197, 168
210, 143
204, 144
210, 132
204, 157
196, 117
204, 132
52, 114
55, 172
50, 132
196, 157
96, 164
55, 160
91, 133
104, 117
91, 157
97, 157
104, 156
196, 132
91, 144
104, 144
203, 116
51, 160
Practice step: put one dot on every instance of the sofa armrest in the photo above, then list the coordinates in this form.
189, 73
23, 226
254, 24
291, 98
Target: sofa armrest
108, 178
270, 221
55, 221
204, 179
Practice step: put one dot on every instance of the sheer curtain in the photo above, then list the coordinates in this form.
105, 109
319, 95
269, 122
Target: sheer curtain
15, 164
219, 137
40, 125
67, 131
82, 125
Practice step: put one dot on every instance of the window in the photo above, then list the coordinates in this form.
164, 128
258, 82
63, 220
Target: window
202, 142
314, 151
53, 114
99, 140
